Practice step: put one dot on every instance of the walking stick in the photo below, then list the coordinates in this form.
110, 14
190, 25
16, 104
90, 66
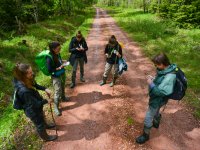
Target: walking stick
53, 118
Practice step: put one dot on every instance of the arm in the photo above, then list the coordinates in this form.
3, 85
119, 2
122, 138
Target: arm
165, 88
39, 87
71, 47
120, 51
32, 101
50, 67
85, 45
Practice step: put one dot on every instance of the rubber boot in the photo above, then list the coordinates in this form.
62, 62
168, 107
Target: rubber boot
144, 137
65, 98
82, 79
73, 81
56, 107
103, 81
113, 82
43, 134
49, 126
156, 121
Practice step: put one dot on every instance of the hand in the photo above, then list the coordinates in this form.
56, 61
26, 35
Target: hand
117, 53
48, 92
79, 49
149, 81
150, 77
50, 100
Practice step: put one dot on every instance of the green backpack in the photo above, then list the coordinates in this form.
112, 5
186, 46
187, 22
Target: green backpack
41, 62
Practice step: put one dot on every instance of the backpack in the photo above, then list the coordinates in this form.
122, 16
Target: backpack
122, 66
180, 85
41, 62
17, 102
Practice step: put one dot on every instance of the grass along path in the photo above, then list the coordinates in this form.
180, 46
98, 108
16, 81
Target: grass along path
155, 35
12, 50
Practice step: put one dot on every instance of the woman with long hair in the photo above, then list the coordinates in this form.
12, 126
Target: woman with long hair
32, 101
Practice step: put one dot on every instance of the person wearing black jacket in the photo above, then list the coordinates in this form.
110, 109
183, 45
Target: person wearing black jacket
78, 48
113, 52
56, 68
32, 101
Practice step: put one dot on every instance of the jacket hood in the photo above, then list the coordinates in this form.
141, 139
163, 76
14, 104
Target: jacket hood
169, 69
19, 85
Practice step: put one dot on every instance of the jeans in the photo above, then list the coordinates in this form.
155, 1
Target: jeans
151, 114
79, 61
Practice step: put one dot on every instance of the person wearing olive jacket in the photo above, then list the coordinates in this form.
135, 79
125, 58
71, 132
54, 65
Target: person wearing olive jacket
32, 101
78, 48
159, 88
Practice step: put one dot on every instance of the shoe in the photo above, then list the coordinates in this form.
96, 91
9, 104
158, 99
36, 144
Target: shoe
72, 85
65, 99
82, 79
142, 138
43, 134
113, 82
49, 126
103, 81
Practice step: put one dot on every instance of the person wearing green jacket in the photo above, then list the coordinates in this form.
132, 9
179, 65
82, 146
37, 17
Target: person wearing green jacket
160, 88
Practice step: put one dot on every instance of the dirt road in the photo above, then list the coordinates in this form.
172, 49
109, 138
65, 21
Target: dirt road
98, 119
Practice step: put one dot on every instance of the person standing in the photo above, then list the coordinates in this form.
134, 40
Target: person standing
159, 88
78, 48
113, 52
32, 102
58, 75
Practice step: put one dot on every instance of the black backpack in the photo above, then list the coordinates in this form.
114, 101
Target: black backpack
17, 102
180, 85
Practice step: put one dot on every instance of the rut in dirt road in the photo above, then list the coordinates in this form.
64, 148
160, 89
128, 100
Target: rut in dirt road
97, 119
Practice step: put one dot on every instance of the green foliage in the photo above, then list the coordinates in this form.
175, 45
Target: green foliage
184, 13
12, 50
31, 11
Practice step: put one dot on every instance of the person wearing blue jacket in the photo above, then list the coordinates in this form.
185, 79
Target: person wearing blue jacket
56, 68
32, 102
160, 88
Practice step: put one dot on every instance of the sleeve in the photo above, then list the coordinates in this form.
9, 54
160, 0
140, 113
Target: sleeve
106, 49
32, 101
165, 88
71, 47
39, 87
120, 50
50, 67
85, 45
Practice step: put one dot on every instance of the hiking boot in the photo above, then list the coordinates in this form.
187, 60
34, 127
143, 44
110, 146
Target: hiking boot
49, 126
142, 138
56, 107
113, 82
43, 134
72, 85
103, 81
156, 121
65, 99
82, 79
